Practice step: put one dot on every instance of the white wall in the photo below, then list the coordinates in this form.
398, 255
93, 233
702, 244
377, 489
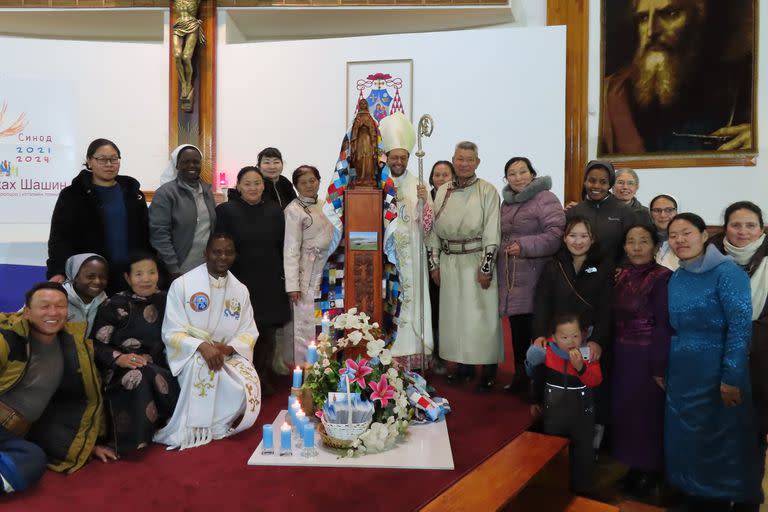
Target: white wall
121, 95
706, 191
484, 85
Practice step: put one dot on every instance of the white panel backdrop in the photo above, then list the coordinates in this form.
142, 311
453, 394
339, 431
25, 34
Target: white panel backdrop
501, 88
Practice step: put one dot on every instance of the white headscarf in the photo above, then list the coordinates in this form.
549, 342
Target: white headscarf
759, 278
73, 264
169, 173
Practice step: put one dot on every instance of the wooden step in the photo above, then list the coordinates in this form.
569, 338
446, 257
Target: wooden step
579, 504
501, 477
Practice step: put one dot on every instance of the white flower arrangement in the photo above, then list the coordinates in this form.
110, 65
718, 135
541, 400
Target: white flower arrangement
374, 377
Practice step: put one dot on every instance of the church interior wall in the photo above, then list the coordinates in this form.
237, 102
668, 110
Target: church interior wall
706, 191
291, 94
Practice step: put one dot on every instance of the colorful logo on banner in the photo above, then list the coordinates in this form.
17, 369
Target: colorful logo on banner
199, 301
38, 131
232, 308
383, 94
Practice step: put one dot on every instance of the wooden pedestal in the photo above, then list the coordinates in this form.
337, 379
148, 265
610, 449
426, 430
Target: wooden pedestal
363, 267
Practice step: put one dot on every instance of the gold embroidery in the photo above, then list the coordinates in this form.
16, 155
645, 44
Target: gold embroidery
202, 385
175, 344
252, 398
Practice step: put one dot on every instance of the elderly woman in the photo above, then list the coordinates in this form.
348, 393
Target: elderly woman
140, 390
442, 172
710, 442
308, 236
640, 349
745, 241
663, 209
532, 222
276, 186
87, 276
625, 188
183, 213
101, 212
608, 216
257, 227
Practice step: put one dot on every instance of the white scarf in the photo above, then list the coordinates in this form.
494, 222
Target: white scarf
759, 278
169, 173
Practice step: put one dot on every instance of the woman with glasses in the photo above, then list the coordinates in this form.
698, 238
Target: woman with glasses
532, 222
625, 189
101, 212
663, 208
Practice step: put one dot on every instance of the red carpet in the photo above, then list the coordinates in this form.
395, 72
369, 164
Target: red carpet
216, 478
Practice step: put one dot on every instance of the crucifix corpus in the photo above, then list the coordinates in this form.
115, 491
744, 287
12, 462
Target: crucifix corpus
187, 34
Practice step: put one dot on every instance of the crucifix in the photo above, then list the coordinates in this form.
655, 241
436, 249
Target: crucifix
192, 81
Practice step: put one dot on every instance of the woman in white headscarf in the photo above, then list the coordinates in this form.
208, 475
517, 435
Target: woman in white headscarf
183, 213
86, 280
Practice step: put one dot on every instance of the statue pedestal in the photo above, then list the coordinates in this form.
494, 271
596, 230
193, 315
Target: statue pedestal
363, 251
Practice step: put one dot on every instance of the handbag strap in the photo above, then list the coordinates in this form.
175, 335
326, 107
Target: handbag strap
570, 284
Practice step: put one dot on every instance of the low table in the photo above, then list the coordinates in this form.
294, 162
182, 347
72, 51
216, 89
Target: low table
426, 446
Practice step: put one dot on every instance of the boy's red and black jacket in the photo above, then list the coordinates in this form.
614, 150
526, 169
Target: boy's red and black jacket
559, 371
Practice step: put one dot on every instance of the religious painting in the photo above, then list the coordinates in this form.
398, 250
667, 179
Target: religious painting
387, 86
363, 240
678, 81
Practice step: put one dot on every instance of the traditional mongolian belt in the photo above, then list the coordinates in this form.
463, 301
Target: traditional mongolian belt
12, 421
462, 246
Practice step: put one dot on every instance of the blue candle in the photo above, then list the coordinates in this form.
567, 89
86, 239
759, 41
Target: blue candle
285, 437
325, 325
297, 375
291, 399
312, 353
309, 435
269, 438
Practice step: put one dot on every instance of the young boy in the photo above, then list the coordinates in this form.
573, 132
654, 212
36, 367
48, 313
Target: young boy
563, 382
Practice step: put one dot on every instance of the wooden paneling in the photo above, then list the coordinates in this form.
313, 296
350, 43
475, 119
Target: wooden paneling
363, 270
574, 14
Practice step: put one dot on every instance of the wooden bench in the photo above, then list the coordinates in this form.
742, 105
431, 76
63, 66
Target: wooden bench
502, 476
579, 504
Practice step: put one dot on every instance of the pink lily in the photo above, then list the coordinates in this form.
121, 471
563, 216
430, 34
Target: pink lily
357, 371
382, 391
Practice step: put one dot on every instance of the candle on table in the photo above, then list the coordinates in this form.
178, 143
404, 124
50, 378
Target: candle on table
295, 407
268, 444
309, 435
285, 438
297, 375
312, 353
325, 325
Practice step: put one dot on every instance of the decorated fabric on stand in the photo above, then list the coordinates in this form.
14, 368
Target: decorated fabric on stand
332, 289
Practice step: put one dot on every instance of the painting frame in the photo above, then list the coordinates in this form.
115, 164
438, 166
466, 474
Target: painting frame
618, 43
397, 69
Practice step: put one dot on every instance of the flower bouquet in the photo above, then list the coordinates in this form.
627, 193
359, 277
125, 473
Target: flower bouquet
354, 377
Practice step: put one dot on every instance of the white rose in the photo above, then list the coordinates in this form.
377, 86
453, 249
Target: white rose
385, 357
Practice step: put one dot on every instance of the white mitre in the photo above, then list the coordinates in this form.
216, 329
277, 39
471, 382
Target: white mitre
397, 133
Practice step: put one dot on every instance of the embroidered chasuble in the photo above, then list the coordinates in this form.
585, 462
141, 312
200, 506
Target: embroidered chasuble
414, 279
205, 309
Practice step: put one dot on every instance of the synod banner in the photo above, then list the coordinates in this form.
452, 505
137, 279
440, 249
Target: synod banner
38, 157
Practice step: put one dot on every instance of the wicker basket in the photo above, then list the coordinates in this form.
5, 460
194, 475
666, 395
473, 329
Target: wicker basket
332, 442
345, 431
